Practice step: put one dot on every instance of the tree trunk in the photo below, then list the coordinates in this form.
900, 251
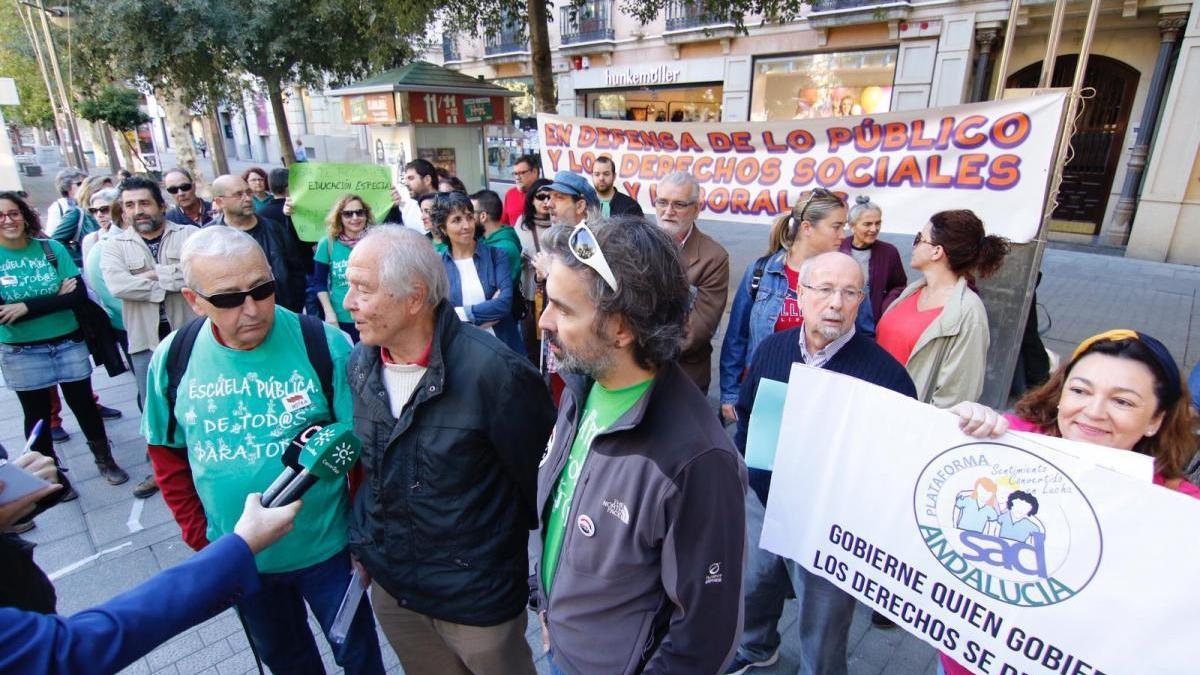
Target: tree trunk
131, 165
100, 154
110, 148
539, 46
275, 94
179, 126
216, 142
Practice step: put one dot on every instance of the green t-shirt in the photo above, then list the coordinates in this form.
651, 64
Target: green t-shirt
606, 208
603, 407
95, 282
232, 415
338, 286
506, 240
25, 273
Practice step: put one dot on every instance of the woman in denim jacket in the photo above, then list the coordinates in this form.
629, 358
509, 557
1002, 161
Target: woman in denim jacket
481, 286
766, 299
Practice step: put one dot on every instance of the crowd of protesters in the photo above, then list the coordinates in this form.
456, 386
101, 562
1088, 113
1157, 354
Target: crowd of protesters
537, 361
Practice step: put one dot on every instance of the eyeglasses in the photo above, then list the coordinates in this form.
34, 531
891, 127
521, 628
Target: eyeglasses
354, 213
826, 292
586, 249
542, 196
519, 172
678, 206
918, 240
96, 210
14, 216
235, 299
184, 187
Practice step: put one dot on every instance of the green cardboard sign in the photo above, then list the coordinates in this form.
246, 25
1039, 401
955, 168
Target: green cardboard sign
315, 186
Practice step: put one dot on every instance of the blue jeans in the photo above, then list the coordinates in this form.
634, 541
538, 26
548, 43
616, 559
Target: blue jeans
825, 610
278, 623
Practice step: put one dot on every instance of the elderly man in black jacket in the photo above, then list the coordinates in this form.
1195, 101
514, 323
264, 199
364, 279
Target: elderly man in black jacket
453, 425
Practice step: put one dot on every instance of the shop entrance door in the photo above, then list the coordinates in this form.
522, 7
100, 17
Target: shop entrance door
1099, 135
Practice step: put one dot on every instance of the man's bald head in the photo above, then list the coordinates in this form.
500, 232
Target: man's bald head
831, 289
232, 196
835, 260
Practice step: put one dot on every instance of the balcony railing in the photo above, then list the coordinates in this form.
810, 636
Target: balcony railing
450, 49
591, 22
835, 5
685, 14
507, 41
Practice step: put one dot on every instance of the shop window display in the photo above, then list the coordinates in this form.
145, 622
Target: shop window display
833, 84
658, 104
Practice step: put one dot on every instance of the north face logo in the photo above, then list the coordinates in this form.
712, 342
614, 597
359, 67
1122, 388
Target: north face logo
617, 508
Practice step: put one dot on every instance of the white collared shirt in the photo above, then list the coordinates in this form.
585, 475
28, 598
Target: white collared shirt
825, 354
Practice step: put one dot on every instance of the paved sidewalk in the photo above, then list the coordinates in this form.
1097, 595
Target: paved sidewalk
107, 542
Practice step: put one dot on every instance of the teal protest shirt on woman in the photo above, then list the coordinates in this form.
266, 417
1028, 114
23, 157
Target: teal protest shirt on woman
26, 273
338, 286
236, 411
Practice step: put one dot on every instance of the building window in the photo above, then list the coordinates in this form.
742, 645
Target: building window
823, 85
658, 104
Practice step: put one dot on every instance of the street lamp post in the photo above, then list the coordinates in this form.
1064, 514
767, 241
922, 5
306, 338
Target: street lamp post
72, 128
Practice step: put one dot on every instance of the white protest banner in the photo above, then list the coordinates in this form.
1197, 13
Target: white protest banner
1007, 555
993, 158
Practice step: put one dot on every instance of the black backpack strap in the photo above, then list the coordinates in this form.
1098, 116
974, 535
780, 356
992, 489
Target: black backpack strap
313, 330
48, 251
760, 266
178, 355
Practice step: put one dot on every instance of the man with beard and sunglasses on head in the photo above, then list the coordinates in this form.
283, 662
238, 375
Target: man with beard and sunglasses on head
830, 293
248, 379
140, 265
641, 493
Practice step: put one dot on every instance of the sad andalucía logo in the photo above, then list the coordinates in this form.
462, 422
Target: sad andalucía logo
1008, 523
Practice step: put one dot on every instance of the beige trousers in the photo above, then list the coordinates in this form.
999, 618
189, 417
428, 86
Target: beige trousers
428, 646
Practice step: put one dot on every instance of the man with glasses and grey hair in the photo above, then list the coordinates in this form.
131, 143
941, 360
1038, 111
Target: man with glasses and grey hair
639, 567
67, 182
452, 423
830, 294
677, 205
249, 381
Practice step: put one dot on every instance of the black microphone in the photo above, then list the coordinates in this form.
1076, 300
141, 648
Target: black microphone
328, 453
291, 464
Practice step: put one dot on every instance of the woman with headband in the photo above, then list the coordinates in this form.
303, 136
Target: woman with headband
938, 328
880, 261
766, 301
1121, 389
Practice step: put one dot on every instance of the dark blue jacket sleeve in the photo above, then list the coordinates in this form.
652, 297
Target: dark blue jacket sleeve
737, 337
320, 277
110, 636
499, 307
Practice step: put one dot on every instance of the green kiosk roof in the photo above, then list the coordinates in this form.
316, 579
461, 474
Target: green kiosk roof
422, 76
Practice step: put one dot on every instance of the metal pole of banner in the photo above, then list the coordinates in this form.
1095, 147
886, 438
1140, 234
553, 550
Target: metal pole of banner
1052, 40
1013, 292
1010, 35
72, 127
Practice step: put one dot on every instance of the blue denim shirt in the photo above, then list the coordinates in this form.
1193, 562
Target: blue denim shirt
492, 266
751, 322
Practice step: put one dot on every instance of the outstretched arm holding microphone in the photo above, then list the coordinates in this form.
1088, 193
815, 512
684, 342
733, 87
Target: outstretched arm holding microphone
110, 636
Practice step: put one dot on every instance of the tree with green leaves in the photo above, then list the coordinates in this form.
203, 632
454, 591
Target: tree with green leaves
203, 49
18, 62
117, 107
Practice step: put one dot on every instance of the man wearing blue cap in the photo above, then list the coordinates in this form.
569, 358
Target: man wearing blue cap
572, 200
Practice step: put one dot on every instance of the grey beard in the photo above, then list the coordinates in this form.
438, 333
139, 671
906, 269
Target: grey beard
142, 226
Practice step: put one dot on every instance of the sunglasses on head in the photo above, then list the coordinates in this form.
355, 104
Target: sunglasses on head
179, 188
354, 213
586, 249
235, 299
95, 210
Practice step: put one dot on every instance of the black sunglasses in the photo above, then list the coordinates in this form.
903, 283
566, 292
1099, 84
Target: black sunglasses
97, 209
542, 196
235, 299
354, 213
179, 188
